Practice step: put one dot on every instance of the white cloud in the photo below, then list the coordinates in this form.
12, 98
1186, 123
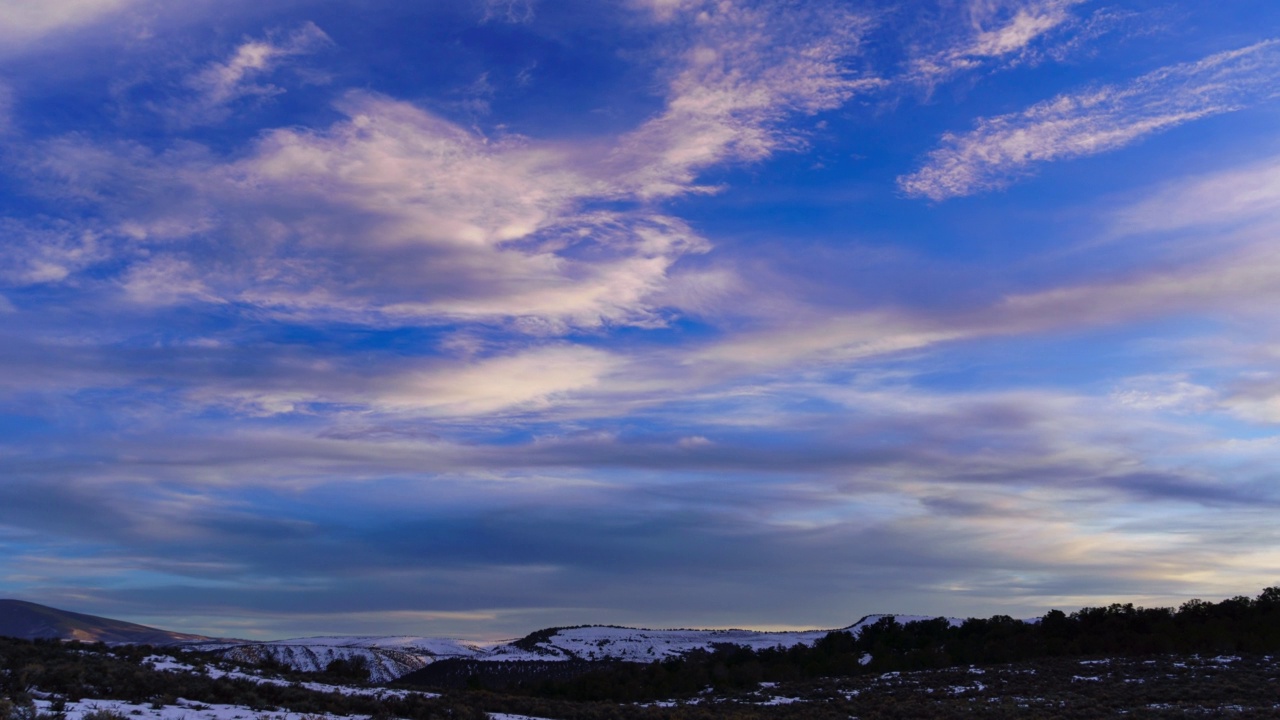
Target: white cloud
1165, 393
1242, 284
396, 213
747, 67
1004, 31
22, 21
165, 281
220, 83
1256, 401
525, 381
665, 10
1006, 147
452, 224
1230, 197
1233, 284
43, 254
511, 11
832, 340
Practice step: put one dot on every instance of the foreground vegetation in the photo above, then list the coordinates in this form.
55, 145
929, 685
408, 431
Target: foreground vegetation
1199, 660
1236, 625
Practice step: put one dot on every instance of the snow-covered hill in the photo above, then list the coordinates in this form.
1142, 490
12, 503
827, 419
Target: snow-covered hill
392, 657
386, 657
637, 645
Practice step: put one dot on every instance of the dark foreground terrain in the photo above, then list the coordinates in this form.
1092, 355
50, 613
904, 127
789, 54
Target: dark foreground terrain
47, 681
1199, 660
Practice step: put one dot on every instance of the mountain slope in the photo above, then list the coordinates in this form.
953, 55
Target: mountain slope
386, 657
30, 621
389, 658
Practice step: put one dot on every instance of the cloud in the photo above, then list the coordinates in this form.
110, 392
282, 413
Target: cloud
519, 382
49, 252
1005, 31
165, 281
1174, 393
219, 84
452, 224
510, 11
1228, 198
1007, 147
1236, 284
22, 22
395, 214
444, 528
747, 67
326, 376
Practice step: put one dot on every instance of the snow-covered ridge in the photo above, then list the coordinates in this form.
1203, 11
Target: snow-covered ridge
394, 656
166, 663
638, 645
386, 657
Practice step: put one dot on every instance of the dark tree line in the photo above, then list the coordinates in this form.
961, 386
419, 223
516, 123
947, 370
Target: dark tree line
75, 671
1241, 625
1236, 625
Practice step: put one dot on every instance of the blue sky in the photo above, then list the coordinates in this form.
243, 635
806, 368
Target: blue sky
474, 317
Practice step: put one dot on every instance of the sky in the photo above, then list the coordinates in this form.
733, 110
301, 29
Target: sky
473, 317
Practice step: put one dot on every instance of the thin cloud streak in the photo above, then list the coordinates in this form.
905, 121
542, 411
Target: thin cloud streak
1006, 148
22, 21
219, 84
998, 31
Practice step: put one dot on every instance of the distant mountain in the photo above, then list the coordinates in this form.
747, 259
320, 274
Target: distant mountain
392, 657
387, 658
30, 621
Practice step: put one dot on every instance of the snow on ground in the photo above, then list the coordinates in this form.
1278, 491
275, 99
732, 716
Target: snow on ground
509, 716
384, 664
183, 710
387, 657
779, 701
391, 657
639, 645
632, 645
166, 663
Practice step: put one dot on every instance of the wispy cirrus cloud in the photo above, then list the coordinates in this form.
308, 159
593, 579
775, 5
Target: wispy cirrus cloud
510, 11
22, 21
48, 252
1248, 195
747, 67
453, 224
219, 84
983, 32
1007, 147
518, 382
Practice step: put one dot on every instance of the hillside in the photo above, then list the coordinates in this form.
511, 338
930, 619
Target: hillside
386, 658
29, 621
52, 681
390, 657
